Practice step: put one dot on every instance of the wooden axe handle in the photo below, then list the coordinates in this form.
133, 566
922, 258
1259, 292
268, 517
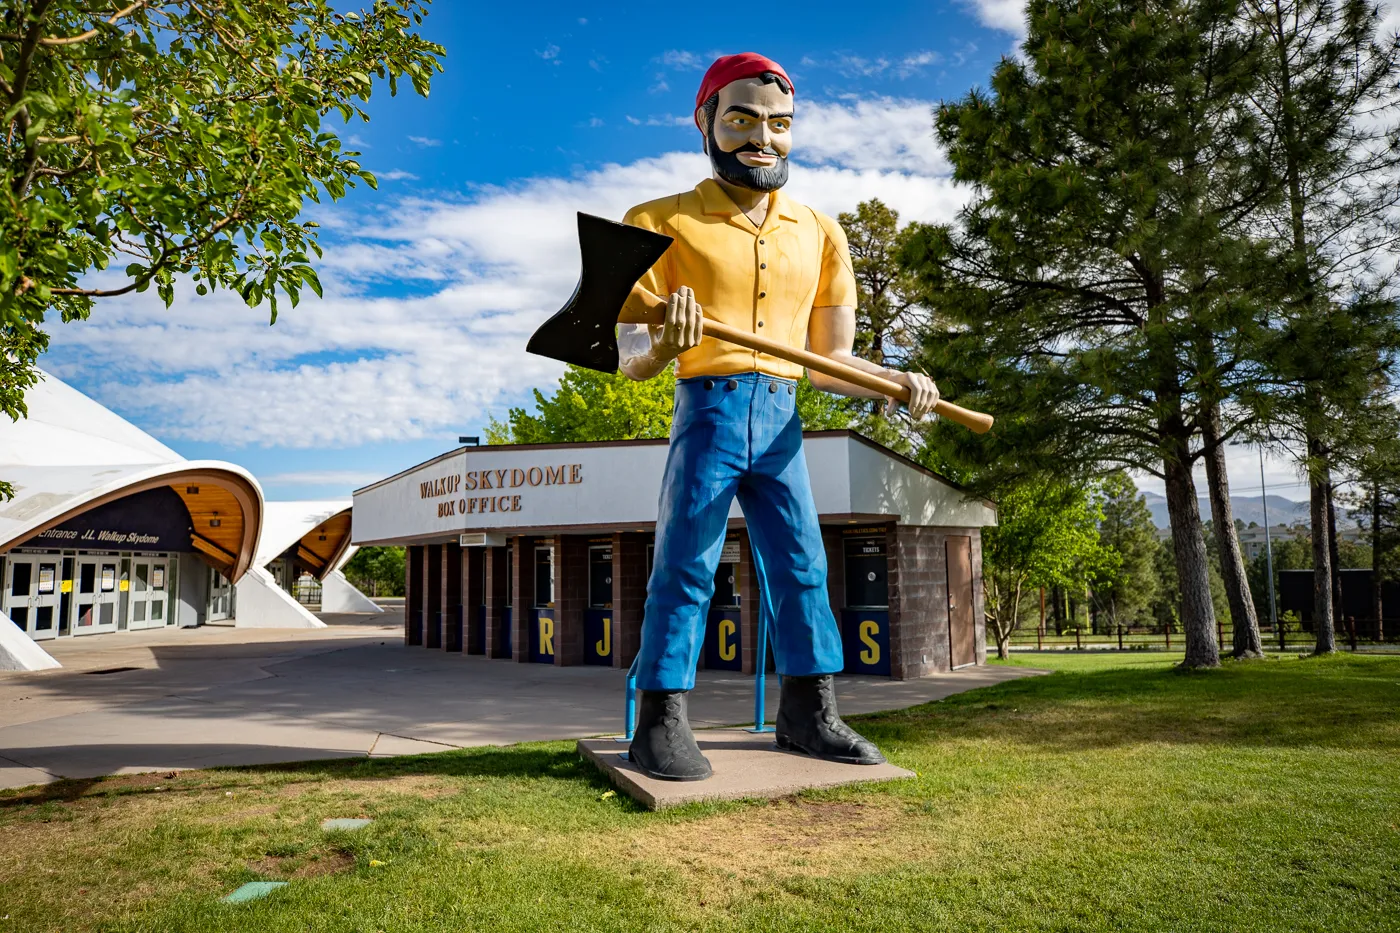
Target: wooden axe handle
974, 421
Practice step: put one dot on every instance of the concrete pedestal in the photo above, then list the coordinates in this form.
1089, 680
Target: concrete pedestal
746, 765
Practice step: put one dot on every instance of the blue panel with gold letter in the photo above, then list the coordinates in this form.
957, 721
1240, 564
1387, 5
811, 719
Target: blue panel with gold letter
543, 638
597, 636
865, 637
723, 645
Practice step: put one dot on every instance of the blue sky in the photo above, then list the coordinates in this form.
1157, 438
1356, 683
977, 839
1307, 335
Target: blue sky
435, 281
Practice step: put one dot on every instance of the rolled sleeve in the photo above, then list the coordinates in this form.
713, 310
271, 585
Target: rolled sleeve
836, 286
652, 285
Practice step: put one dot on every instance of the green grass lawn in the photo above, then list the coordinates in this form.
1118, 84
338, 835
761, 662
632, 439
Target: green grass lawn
1114, 794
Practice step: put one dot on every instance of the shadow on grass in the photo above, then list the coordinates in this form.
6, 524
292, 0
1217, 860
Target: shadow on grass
552, 761
1341, 702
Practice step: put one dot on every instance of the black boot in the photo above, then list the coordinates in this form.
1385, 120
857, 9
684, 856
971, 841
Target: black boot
808, 722
663, 745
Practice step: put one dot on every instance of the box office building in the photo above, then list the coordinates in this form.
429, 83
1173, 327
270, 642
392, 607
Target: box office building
540, 553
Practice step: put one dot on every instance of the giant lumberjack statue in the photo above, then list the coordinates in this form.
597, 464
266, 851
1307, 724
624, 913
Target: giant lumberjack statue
733, 280
746, 255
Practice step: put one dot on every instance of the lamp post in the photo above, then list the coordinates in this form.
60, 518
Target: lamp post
1269, 551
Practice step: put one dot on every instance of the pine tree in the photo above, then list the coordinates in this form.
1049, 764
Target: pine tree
1126, 594
1329, 113
1105, 260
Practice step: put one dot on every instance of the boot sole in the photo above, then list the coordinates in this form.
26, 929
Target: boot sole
788, 745
657, 775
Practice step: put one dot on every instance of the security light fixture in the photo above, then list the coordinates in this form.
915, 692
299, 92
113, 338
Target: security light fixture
191, 490
473, 440
215, 522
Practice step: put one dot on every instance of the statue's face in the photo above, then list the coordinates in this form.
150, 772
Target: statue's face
751, 136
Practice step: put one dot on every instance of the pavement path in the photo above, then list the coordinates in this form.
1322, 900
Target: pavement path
214, 696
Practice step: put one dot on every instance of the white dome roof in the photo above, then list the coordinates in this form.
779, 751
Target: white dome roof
66, 428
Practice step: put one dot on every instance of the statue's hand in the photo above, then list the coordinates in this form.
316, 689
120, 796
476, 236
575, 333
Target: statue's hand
684, 324
923, 394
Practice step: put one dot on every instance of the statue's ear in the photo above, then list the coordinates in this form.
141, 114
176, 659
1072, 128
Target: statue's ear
700, 125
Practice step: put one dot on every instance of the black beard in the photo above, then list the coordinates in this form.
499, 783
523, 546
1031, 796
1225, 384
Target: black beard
754, 177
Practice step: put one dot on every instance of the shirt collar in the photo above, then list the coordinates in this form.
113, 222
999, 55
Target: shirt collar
714, 200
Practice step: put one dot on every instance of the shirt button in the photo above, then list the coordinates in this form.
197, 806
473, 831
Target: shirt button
760, 242
763, 294
763, 265
760, 323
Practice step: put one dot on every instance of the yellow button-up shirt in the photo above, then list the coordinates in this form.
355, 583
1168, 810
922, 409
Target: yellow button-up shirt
765, 280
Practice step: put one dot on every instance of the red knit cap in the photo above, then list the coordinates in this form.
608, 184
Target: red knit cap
731, 68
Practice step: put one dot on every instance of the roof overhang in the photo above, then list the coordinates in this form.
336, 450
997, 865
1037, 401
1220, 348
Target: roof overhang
213, 491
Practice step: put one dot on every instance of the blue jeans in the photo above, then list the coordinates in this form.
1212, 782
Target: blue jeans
736, 435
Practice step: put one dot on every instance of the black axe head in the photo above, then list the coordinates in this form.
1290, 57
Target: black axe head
615, 256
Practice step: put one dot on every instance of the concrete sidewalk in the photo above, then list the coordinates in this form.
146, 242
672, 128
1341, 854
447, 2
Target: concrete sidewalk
215, 696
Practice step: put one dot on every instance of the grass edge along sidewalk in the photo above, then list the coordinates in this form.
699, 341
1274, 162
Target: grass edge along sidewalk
1116, 795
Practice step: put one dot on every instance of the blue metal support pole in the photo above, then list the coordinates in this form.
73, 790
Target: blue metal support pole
630, 704
760, 674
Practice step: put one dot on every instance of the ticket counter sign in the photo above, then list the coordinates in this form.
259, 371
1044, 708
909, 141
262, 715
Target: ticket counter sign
865, 639
723, 644
543, 637
597, 636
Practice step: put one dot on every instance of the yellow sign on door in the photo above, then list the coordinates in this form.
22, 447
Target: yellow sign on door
604, 645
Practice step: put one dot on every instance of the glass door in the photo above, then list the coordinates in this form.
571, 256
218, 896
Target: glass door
220, 597
31, 594
150, 592
97, 595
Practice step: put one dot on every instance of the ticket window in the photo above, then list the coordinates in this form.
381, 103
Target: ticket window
600, 576
867, 573
544, 577
726, 586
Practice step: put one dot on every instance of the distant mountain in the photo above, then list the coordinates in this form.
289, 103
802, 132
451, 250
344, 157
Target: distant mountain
1246, 508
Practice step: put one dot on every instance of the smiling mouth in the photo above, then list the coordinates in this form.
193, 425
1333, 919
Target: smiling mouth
757, 158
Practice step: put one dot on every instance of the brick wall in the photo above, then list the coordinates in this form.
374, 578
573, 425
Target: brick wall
497, 574
919, 637
629, 594
432, 598
413, 593
570, 597
451, 597
522, 595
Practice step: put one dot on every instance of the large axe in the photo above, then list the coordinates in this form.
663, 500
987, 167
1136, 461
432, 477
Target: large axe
615, 257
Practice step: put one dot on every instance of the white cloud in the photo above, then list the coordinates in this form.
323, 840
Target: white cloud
682, 60
430, 300
872, 133
551, 51
1005, 15
425, 141
350, 478
397, 174
859, 66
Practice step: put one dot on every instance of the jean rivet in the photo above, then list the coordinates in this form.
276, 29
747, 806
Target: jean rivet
709, 384
772, 387
733, 384
791, 390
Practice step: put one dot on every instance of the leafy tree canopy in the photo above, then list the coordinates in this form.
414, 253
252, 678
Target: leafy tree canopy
594, 406
163, 138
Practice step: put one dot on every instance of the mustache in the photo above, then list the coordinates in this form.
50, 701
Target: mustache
750, 147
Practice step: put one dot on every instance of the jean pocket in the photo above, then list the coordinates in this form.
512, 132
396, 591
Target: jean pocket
784, 397
700, 395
